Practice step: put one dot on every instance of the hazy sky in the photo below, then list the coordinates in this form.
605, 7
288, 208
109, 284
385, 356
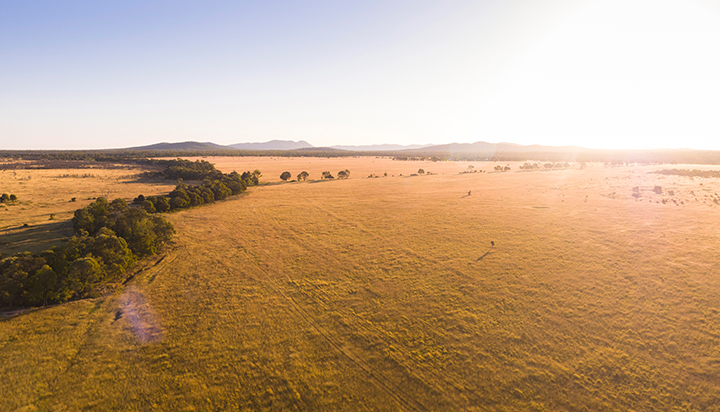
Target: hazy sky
606, 73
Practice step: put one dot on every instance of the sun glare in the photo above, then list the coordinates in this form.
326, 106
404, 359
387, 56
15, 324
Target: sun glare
623, 74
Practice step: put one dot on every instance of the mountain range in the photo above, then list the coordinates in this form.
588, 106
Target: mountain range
477, 147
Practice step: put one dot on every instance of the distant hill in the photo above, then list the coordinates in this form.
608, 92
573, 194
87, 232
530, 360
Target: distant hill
272, 145
379, 147
189, 146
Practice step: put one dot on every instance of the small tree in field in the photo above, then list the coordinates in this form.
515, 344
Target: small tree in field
327, 175
343, 174
285, 176
421, 171
302, 175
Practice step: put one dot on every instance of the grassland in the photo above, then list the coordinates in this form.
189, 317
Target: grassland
385, 294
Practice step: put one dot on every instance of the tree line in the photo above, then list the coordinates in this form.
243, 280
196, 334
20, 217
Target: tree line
326, 175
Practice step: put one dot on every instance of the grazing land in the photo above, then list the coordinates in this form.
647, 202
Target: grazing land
600, 293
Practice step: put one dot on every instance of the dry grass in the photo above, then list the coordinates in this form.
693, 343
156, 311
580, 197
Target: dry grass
384, 294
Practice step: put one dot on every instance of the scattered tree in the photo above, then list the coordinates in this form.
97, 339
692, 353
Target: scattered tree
327, 175
285, 176
421, 172
343, 174
302, 176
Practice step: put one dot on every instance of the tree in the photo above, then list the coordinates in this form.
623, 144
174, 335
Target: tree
42, 286
327, 175
343, 174
421, 171
285, 176
303, 175
13, 198
111, 250
162, 204
256, 175
92, 217
83, 275
118, 205
148, 205
4, 198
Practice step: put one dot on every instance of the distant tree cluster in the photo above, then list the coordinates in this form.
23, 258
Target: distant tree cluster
188, 170
421, 158
471, 169
109, 237
548, 166
5, 198
499, 168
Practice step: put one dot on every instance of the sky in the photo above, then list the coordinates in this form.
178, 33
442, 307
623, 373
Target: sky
592, 73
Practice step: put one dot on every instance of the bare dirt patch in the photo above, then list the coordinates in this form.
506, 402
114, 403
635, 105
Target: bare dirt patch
136, 312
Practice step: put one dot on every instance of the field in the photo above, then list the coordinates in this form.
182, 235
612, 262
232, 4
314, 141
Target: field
386, 294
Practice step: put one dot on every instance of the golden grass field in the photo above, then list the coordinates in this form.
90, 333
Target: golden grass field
385, 294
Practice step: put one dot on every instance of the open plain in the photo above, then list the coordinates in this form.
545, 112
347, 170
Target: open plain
598, 292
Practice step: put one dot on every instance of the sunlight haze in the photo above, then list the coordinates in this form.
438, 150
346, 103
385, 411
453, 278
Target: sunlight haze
597, 74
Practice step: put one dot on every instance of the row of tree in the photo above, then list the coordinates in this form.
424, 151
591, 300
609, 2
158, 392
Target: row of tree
326, 175
109, 238
5, 198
